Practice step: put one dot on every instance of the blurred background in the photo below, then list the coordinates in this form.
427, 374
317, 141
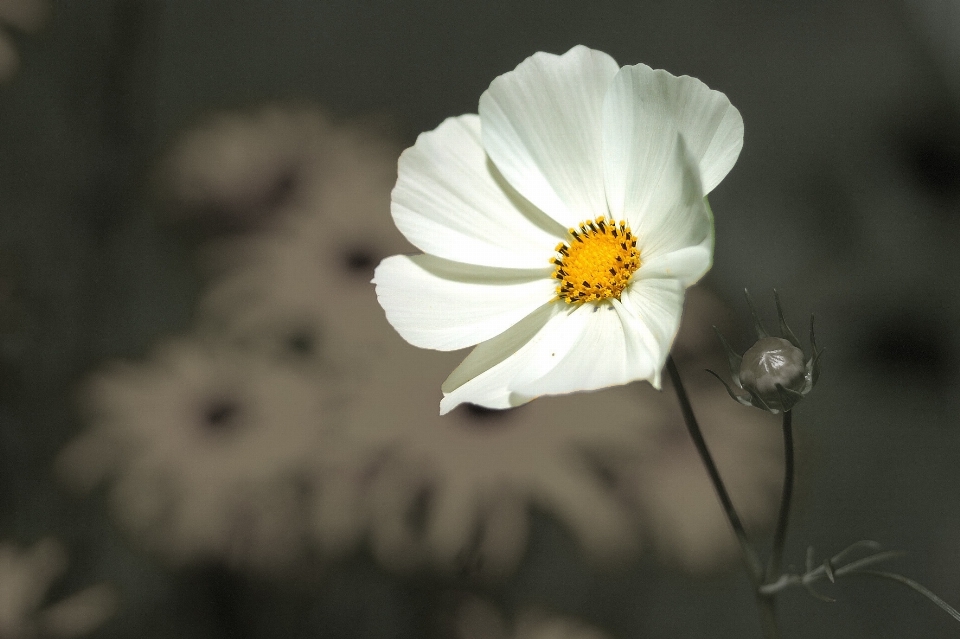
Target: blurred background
201, 401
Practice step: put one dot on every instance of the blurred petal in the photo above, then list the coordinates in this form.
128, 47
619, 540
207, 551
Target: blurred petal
435, 303
542, 128
450, 201
79, 614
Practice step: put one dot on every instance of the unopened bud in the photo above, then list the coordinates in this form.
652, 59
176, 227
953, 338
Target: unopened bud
769, 362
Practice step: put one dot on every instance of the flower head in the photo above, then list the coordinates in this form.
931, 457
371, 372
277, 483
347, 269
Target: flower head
773, 372
560, 226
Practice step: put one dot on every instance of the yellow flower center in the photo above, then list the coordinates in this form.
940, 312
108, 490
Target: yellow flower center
597, 262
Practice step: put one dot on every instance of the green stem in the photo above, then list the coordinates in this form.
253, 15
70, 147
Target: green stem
750, 557
779, 538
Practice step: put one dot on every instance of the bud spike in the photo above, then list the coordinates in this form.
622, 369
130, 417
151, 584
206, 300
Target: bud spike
732, 357
758, 402
785, 331
788, 397
757, 324
740, 399
815, 366
813, 336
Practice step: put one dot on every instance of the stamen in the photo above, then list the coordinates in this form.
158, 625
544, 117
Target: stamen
599, 265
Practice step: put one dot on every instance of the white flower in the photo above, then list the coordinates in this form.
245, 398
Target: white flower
560, 226
210, 453
26, 576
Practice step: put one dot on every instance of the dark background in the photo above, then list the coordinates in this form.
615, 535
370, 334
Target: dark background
846, 198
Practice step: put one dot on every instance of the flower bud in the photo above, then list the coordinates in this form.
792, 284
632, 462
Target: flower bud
770, 362
773, 371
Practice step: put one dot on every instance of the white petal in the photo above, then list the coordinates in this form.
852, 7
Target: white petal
687, 265
444, 305
710, 125
658, 193
657, 304
450, 201
542, 128
559, 349
608, 349
485, 376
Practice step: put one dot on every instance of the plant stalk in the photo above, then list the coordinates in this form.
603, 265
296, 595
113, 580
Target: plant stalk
750, 557
779, 538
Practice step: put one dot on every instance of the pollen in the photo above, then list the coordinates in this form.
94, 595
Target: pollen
597, 261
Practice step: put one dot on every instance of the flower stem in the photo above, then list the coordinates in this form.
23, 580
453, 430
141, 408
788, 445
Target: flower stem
765, 603
779, 538
751, 559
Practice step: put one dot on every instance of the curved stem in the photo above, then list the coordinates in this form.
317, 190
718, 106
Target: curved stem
765, 603
754, 565
910, 583
779, 538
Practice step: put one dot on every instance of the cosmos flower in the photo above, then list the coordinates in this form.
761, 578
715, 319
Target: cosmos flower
559, 227
26, 575
209, 453
24, 15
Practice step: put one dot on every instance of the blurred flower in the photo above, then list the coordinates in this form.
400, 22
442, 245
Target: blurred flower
560, 226
25, 578
24, 15
244, 170
455, 492
240, 169
298, 295
480, 620
211, 453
